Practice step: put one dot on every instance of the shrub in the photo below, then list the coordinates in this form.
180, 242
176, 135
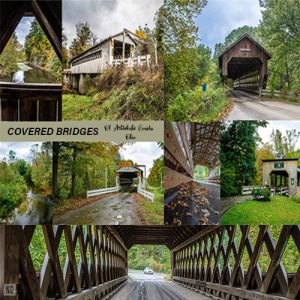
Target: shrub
261, 194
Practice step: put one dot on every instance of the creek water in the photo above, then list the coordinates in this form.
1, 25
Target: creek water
30, 74
35, 210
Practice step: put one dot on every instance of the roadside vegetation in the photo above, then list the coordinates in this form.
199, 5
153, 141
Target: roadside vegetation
119, 93
19, 176
190, 64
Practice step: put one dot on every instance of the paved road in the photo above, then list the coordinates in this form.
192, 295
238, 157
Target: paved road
154, 287
251, 107
117, 209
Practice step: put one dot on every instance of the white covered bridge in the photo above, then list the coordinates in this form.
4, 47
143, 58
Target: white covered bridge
124, 47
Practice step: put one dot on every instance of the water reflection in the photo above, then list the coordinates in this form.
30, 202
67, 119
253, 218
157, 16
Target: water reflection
30, 74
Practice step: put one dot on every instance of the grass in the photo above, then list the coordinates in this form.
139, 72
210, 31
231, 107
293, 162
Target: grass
280, 210
152, 211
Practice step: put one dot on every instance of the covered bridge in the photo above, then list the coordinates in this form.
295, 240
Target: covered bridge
246, 63
31, 101
87, 262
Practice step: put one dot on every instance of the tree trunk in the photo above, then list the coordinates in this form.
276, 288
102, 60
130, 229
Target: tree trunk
73, 176
55, 155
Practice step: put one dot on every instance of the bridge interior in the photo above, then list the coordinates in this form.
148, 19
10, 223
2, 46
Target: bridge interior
223, 262
31, 102
128, 174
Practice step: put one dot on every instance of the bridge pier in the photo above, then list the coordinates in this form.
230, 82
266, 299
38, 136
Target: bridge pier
81, 84
75, 82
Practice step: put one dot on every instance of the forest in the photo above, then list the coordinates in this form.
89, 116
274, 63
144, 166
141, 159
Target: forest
189, 64
242, 151
118, 92
19, 176
37, 51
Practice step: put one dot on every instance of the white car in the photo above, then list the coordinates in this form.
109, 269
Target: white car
148, 271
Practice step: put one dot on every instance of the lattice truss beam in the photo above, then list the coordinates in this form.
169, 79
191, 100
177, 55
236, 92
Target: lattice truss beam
240, 262
80, 261
205, 139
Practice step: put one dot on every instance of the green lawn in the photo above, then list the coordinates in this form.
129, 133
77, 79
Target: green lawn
280, 210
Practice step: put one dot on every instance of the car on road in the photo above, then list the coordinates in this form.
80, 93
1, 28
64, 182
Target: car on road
148, 271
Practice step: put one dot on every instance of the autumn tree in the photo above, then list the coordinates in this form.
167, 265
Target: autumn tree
156, 172
84, 39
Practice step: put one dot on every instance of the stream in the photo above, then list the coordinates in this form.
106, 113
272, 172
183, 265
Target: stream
30, 74
35, 210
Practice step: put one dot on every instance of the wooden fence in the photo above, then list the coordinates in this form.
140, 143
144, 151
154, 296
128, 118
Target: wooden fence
143, 60
282, 191
80, 262
225, 262
93, 193
30, 102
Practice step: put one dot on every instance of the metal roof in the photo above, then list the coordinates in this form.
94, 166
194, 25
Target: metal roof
128, 170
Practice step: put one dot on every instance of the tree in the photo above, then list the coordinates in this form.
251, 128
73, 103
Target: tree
264, 152
156, 172
84, 40
11, 156
238, 157
280, 29
284, 144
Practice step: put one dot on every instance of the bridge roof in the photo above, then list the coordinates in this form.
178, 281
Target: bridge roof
47, 12
205, 142
245, 36
129, 170
170, 236
131, 35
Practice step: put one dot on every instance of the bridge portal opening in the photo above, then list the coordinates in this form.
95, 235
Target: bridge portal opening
129, 177
279, 178
118, 50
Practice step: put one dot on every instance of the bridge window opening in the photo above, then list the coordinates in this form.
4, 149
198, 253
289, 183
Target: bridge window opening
147, 260
118, 50
279, 179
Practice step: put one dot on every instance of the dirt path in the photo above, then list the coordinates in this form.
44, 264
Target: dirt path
251, 107
229, 202
154, 287
117, 209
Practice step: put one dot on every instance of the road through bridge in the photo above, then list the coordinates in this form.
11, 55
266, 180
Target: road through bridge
91, 262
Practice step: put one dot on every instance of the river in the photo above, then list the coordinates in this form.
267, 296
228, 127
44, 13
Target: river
35, 210
30, 74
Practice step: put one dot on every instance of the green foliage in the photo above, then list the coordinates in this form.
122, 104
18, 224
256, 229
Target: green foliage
156, 173
84, 39
200, 172
238, 156
8, 58
13, 189
156, 257
280, 210
198, 106
284, 144
261, 194
38, 51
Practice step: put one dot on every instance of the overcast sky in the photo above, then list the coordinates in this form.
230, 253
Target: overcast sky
107, 17
142, 153
23, 29
265, 133
220, 17
22, 149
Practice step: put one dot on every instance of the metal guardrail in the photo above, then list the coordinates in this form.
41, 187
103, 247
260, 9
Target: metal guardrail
145, 193
93, 193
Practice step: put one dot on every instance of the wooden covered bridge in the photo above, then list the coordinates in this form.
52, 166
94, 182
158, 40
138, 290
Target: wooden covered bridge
188, 145
91, 262
123, 48
246, 63
31, 101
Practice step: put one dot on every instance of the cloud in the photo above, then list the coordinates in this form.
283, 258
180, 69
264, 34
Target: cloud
23, 28
220, 17
142, 153
265, 133
22, 149
107, 17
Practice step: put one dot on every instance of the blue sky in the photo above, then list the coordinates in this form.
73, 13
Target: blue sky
220, 17
23, 28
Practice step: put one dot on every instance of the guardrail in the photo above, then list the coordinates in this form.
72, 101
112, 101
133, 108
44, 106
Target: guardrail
93, 193
277, 93
145, 193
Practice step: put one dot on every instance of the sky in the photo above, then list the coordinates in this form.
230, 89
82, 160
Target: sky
265, 133
22, 149
23, 29
107, 17
220, 17
142, 153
